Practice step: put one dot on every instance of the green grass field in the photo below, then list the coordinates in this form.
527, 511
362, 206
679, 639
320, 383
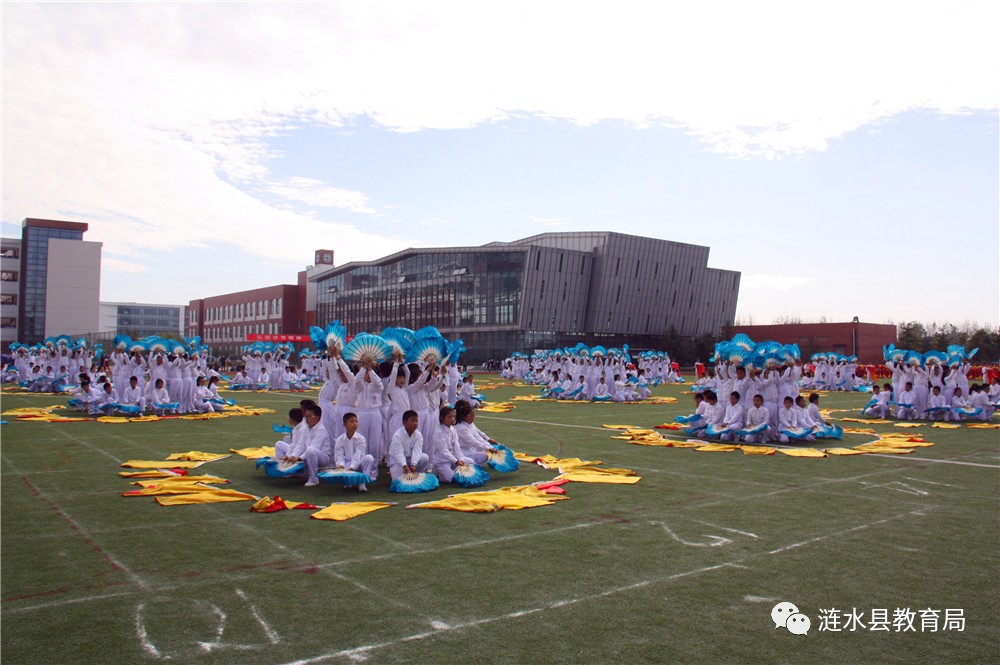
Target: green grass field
684, 566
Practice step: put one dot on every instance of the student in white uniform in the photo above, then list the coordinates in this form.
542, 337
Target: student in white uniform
351, 451
474, 444
447, 452
733, 418
757, 415
406, 450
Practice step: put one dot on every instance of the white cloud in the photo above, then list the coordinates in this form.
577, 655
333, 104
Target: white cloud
551, 222
157, 119
117, 265
315, 193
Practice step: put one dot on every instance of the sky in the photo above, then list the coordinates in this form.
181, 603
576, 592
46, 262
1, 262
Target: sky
844, 157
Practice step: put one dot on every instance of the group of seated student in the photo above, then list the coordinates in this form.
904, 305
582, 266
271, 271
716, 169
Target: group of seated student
145, 397
944, 403
456, 442
756, 424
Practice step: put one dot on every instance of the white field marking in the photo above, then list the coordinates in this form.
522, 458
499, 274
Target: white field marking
714, 541
759, 599
62, 431
931, 482
272, 635
840, 533
68, 601
458, 546
140, 632
742, 533
936, 461
136, 579
354, 653
219, 630
898, 487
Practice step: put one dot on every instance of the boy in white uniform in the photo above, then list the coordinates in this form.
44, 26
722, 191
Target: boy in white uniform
350, 452
406, 450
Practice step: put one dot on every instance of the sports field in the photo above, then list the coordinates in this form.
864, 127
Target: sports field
684, 566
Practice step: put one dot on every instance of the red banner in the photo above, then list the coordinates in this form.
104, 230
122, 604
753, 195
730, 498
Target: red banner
279, 338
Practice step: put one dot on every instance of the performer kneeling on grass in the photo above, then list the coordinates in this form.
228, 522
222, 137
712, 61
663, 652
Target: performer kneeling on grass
474, 444
315, 445
406, 450
283, 449
350, 451
447, 451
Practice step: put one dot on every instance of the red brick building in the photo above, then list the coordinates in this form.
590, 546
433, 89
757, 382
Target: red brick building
223, 322
864, 340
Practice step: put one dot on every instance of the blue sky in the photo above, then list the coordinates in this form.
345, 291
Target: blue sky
845, 167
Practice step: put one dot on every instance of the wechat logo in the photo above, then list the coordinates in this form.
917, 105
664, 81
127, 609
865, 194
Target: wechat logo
787, 615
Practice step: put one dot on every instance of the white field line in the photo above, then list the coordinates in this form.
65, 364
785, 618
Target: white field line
69, 601
441, 628
272, 635
840, 533
140, 632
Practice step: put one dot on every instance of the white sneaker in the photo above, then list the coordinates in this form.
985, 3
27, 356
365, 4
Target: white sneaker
362, 487
312, 483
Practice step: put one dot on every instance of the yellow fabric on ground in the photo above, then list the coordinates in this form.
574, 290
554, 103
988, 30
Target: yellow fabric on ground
214, 496
115, 420
896, 443
263, 504
459, 503
513, 498
170, 488
345, 511
639, 432
757, 450
146, 419
801, 452
717, 448
254, 453
179, 480
908, 425
30, 411
983, 426
157, 464
866, 421
203, 416
945, 426
568, 463
578, 476
647, 441
499, 407
687, 444
588, 467
151, 473
618, 426
844, 451
197, 456
858, 430
884, 449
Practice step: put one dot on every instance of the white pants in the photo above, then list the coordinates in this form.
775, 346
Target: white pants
396, 471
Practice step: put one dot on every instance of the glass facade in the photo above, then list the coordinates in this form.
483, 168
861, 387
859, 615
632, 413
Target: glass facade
143, 320
34, 268
449, 289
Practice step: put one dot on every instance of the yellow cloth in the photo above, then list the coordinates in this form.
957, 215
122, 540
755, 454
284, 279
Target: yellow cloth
461, 504
254, 453
908, 425
180, 480
169, 488
945, 426
197, 456
113, 419
858, 430
984, 426
571, 463
579, 476
897, 443
647, 441
499, 407
145, 419
30, 411
687, 444
802, 452
151, 473
345, 511
513, 498
154, 464
588, 467
866, 421
214, 496
618, 426
886, 450
263, 504
717, 448
757, 450
203, 416
844, 451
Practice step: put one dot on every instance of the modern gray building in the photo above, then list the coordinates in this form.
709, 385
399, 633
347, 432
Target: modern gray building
58, 279
139, 320
549, 290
